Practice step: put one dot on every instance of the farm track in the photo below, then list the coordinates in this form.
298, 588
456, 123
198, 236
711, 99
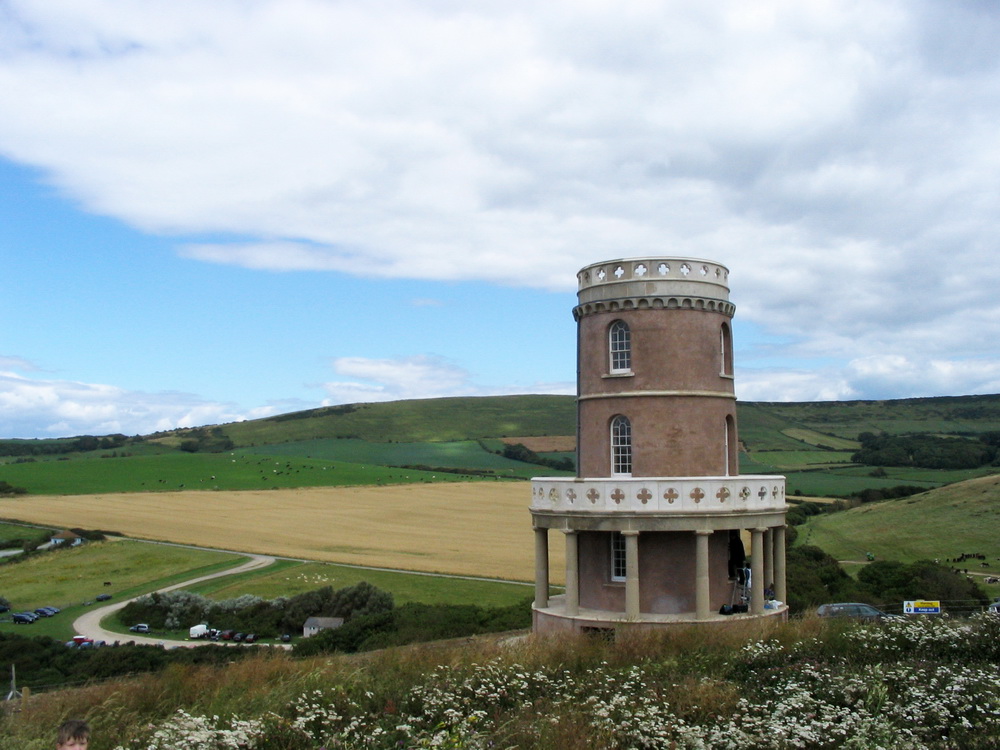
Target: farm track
89, 624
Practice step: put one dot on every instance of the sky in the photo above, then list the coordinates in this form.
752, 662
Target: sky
221, 211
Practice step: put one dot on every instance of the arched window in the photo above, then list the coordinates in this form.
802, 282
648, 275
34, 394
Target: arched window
621, 446
726, 351
620, 347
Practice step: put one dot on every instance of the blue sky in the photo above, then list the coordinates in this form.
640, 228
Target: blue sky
217, 212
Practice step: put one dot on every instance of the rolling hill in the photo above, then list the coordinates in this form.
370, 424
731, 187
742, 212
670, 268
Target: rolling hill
811, 443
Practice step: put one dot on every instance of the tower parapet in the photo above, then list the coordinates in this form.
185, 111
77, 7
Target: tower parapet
653, 283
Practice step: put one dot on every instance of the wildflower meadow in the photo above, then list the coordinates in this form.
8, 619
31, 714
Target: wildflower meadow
897, 684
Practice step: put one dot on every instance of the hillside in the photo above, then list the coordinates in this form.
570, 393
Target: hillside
943, 524
812, 444
415, 421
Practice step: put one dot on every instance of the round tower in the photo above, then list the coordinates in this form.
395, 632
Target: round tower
655, 519
655, 352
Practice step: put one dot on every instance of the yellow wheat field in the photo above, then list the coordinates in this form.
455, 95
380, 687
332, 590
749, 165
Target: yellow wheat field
474, 528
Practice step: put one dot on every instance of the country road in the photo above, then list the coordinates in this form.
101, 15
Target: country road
89, 624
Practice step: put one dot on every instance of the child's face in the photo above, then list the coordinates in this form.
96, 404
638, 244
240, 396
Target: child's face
72, 745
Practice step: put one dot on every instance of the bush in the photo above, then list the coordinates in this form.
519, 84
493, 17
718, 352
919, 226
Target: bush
176, 610
416, 623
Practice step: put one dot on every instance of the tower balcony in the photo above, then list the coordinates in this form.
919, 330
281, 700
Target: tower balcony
724, 496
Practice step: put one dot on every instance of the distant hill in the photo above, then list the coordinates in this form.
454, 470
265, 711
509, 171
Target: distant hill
414, 421
763, 426
811, 443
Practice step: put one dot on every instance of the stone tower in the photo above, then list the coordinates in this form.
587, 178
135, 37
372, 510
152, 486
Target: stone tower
655, 519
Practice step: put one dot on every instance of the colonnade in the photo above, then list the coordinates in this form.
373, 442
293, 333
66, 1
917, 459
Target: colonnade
767, 563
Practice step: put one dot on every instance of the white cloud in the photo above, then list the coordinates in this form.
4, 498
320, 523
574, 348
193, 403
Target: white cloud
870, 378
420, 376
841, 158
57, 408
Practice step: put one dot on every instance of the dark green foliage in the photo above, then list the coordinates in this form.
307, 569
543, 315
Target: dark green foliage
205, 440
519, 452
9, 490
888, 493
179, 610
888, 581
813, 577
799, 513
416, 623
42, 662
80, 444
924, 451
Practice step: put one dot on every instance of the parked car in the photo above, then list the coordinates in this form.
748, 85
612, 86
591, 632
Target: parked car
227, 635
44, 612
857, 610
140, 628
102, 597
238, 637
250, 638
24, 618
994, 608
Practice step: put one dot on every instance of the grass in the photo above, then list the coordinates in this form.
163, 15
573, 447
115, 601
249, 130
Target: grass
473, 528
462, 454
287, 578
827, 684
12, 532
205, 471
821, 440
68, 578
939, 524
419, 420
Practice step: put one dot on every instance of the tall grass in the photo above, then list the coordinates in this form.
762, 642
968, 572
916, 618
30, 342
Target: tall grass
809, 683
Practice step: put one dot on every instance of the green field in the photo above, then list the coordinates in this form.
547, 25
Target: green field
454, 454
287, 578
940, 525
235, 470
68, 578
12, 533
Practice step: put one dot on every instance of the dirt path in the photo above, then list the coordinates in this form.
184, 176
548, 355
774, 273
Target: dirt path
89, 624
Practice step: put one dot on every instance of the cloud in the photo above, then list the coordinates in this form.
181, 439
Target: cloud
17, 363
33, 408
419, 376
841, 158
875, 377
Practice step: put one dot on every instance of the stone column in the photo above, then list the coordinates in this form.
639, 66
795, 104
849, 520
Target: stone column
701, 590
572, 574
757, 571
780, 590
631, 574
768, 557
541, 568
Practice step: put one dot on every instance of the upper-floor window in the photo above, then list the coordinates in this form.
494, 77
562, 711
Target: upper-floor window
621, 446
620, 347
725, 350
